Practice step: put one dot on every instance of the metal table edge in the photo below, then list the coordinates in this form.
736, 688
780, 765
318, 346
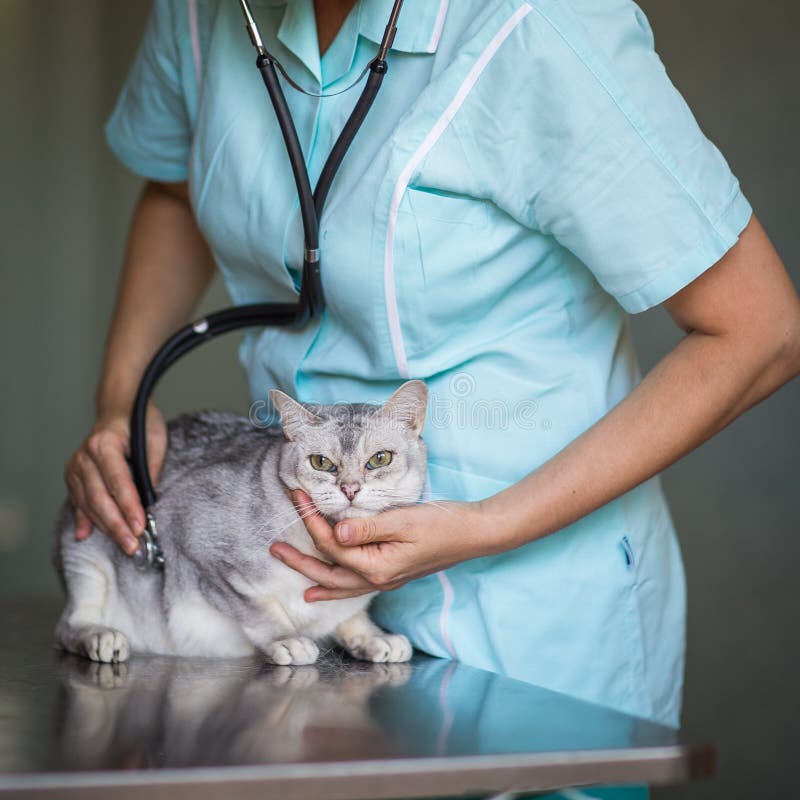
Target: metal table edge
379, 779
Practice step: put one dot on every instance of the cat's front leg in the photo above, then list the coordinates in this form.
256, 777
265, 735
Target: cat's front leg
261, 617
273, 633
82, 628
364, 640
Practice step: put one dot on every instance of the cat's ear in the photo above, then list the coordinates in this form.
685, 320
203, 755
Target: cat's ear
294, 415
407, 406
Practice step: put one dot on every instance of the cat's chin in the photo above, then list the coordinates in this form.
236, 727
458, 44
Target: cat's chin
352, 512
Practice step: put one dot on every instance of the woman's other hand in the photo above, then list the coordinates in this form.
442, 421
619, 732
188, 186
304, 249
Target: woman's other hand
167, 269
101, 488
386, 551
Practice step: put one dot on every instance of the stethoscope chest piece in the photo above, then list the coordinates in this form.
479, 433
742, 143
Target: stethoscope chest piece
149, 554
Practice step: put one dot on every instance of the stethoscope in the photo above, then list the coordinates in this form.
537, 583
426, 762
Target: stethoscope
311, 301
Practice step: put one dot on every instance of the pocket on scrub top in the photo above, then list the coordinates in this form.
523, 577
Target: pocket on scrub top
439, 282
438, 205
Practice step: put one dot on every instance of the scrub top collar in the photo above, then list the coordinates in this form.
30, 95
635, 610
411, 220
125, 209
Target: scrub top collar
419, 29
298, 33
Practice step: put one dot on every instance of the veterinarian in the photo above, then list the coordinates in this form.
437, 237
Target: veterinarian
527, 177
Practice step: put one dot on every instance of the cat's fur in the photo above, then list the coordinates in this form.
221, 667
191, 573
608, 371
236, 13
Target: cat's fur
222, 501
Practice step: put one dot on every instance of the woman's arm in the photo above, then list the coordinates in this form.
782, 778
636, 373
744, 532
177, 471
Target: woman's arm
742, 343
167, 269
742, 323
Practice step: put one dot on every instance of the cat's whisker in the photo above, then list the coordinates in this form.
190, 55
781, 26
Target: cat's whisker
427, 501
289, 514
270, 524
276, 531
291, 511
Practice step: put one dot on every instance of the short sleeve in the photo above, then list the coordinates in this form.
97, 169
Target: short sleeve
149, 130
624, 177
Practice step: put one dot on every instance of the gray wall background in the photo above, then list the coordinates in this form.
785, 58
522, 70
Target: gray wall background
64, 206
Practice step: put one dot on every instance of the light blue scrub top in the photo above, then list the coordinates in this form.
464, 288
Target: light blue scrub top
527, 176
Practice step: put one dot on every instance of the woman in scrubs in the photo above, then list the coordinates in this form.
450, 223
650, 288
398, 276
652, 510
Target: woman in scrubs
527, 177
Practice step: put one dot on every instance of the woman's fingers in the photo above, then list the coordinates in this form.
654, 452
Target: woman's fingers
333, 582
83, 525
322, 533
369, 561
348, 533
367, 530
100, 506
319, 593
77, 497
100, 484
318, 527
107, 450
330, 576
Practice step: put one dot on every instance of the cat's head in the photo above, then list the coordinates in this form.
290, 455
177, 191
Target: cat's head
357, 459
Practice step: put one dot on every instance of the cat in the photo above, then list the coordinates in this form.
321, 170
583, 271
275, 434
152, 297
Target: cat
223, 499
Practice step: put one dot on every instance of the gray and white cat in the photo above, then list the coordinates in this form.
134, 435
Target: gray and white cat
222, 501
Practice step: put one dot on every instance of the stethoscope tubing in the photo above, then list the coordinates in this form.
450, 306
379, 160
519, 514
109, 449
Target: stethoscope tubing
311, 301
179, 344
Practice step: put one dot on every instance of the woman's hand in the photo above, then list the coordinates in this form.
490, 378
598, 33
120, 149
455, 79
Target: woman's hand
99, 479
167, 269
385, 551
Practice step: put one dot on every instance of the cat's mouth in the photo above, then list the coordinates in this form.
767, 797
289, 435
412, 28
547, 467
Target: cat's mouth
356, 505
335, 506
336, 511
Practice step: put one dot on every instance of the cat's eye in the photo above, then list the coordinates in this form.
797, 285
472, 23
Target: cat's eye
322, 463
380, 459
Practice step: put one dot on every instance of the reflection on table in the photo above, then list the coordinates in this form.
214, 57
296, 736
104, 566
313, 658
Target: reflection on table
338, 729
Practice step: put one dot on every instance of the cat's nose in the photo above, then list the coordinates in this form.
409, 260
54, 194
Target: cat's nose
350, 489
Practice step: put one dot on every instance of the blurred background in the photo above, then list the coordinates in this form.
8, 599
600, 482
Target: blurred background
64, 208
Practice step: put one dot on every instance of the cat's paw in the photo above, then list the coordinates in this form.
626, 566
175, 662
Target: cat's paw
104, 644
299, 650
387, 647
388, 674
108, 676
291, 678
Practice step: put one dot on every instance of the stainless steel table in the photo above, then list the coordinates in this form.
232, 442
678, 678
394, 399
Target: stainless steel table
181, 728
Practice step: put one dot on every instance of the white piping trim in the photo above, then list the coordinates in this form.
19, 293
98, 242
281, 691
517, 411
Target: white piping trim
430, 140
444, 615
438, 26
198, 62
447, 713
